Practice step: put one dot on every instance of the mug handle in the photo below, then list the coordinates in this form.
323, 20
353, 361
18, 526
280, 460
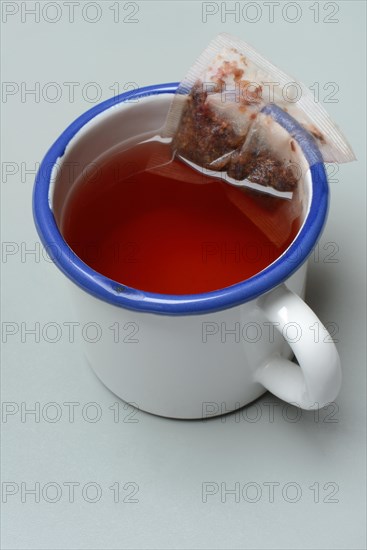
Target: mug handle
316, 382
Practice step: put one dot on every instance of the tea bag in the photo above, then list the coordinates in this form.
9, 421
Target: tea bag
237, 117
228, 115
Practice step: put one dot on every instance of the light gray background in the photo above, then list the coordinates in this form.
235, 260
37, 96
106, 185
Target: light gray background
170, 460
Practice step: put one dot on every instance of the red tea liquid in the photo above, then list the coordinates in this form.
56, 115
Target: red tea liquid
172, 230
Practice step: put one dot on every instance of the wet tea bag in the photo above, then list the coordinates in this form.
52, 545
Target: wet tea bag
237, 117
226, 120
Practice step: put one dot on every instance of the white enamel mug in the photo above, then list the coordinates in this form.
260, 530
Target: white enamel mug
191, 356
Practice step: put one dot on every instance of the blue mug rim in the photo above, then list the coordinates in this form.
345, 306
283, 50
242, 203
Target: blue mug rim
120, 295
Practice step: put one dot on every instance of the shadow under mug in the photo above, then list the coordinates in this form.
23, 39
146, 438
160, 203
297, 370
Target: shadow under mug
199, 355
